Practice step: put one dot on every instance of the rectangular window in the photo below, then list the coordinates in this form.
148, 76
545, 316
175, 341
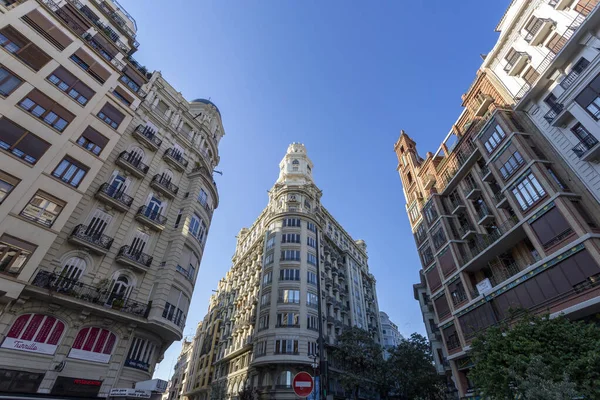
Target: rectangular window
528, 191
556, 43
178, 219
22, 48
14, 253
311, 278
46, 110
263, 322
267, 278
197, 228
291, 222
88, 64
8, 81
111, 115
589, 98
47, 29
289, 275
130, 82
311, 227
290, 255
288, 319
43, 209
311, 242
531, 75
286, 346
92, 140
21, 143
312, 322
269, 258
430, 212
496, 135
439, 238
511, 165
289, 296
313, 348
70, 171
312, 300
69, 84
270, 242
311, 259
7, 184
290, 238
265, 299
203, 197
122, 96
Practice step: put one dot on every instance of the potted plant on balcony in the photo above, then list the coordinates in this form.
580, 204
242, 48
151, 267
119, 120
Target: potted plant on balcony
118, 303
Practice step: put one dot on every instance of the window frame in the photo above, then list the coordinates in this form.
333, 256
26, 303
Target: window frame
9, 180
80, 171
10, 75
43, 210
533, 183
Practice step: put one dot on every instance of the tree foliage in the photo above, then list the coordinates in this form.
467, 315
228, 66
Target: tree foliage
538, 358
412, 372
357, 354
408, 374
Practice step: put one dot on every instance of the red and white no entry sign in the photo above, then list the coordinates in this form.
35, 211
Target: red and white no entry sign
303, 384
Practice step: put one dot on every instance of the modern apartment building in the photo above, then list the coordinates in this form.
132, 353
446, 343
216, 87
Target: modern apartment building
500, 219
389, 332
107, 197
296, 276
547, 58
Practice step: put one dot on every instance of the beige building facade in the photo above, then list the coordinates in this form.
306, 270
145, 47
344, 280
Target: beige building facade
106, 202
296, 276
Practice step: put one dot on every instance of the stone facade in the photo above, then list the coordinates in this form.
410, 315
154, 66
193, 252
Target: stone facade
94, 290
295, 273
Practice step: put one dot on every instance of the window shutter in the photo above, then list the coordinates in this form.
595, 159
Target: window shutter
113, 113
442, 307
108, 47
47, 29
585, 98
124, 94
132, 74
33, 56
10, 132
446, 262
94, 136
556, 43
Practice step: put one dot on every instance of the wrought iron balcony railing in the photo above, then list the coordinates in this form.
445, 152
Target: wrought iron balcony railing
116, 194
134, 255
585, 144
89, 235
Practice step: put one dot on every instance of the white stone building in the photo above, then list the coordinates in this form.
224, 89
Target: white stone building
389, 332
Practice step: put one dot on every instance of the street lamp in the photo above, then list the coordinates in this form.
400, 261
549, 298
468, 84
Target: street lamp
314, 366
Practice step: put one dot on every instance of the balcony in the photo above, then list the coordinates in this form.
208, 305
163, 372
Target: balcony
456, 165
151, 218
572, 76
472, 191
486, 174
118, 19
560, 4
147, 136
484, 214
516, 63
114, 197
139, 67
587, 149
539, 31
88, 293
555, 110
428, 182
133, 258
88, 237
164, 186
483, 242
485, 101
132, 162
501, 200
102, 27
457, 206
175, 159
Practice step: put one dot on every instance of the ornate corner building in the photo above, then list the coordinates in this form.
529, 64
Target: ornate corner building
297, 276
106, 200
504, 214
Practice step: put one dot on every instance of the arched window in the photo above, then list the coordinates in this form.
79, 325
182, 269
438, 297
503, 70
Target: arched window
166, 175
285, 379
36, 333
136, 155
266, 380
93, 344
296, 162
120, 290
71, 271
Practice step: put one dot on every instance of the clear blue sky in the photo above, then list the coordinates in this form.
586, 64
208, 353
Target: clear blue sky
342, 77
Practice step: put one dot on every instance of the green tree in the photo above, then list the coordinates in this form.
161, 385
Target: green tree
409, 372
359, 357
509, 359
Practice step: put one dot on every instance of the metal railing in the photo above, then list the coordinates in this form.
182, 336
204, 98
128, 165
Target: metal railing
159, 180
482, 242
572, 76
149, 134
471, 186
89, 235
585, 144
555, 109
136, 256
502, 272
88, 293
139, 66
152, 215
536, 28
175, 155
483, 211
134, 160
116, 194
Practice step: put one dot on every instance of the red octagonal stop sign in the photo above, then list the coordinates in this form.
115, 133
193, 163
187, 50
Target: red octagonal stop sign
303, 384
